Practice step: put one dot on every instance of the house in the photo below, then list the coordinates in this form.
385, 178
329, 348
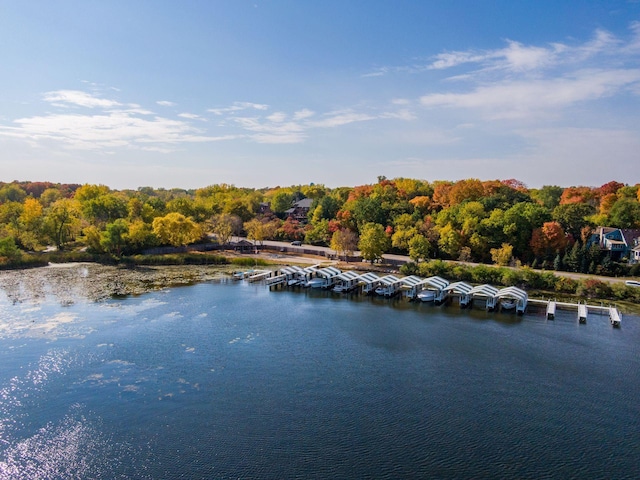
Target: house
300, 210
264, 208
619, 242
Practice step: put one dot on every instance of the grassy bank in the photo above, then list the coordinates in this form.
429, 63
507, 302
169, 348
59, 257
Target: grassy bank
43, 259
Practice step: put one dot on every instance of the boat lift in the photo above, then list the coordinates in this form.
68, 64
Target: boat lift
346, 281
388, 286
511, 297
488, 292
369, 282
463, 290
438, 285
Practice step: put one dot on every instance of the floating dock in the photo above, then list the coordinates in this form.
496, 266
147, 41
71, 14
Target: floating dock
615, 317
551, 310
369, 283
582, 312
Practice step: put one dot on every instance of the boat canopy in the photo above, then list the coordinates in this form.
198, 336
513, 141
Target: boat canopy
512, 292
369, 278
348, 276
436, 282
459, 287
411, 281
328, 272
292, 270
485, 290
389, 280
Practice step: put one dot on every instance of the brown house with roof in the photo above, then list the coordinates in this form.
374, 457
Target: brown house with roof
300, 209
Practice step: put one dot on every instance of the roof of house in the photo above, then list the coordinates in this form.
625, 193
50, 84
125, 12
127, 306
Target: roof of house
305, 203
630, 235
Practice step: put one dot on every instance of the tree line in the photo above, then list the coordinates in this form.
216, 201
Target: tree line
497, 221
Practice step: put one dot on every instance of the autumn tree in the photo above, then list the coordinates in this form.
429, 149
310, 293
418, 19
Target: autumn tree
503, 255
225, 226
176, 229
31, 221
344, 242
548, 239
61, 221
373, 241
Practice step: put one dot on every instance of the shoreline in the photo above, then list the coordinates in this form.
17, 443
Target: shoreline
75, 281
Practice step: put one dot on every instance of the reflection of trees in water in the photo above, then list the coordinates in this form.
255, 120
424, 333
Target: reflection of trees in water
68, 284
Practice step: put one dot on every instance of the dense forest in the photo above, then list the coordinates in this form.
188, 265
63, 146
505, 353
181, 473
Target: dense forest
500, 222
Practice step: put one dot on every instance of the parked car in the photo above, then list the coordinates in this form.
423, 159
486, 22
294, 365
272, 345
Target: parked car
632, 283
296, 243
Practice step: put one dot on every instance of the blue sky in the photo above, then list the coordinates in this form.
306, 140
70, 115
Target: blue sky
265, 93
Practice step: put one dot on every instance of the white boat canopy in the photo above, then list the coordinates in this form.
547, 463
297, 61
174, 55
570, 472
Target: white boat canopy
459, 287
328, 272
369, 278
389, 280
348, 276
513, 292
411, 281
436, 282
485, 290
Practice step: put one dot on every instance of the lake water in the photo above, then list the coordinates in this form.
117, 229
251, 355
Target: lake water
231, 380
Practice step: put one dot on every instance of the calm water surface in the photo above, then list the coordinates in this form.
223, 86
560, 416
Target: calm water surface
230, 380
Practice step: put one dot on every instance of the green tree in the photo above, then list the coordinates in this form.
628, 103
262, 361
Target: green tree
625, 213
114, 238
319, 233
281, 201
419, 248
548, 196
450, 241
12, 193
373, 241
573, 217
8, 250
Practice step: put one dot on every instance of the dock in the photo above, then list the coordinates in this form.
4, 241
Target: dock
615, 317
582, 312
429, 289
551, 310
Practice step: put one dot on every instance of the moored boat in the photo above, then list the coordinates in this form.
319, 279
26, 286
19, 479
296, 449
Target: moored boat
426, 295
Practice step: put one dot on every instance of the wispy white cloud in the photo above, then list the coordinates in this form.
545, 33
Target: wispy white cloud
190, 116
521, 81
304, 113
166, 103
237, 107
277, 117
341, 117
110, 124
279, 127
78, 98
513, 99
